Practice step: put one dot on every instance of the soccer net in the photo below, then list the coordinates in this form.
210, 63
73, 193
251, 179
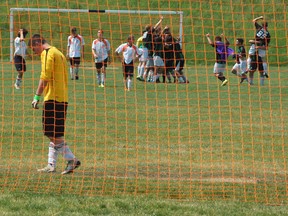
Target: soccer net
189, 141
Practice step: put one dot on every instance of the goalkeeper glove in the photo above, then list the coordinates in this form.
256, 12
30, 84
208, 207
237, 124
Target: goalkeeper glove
35, 102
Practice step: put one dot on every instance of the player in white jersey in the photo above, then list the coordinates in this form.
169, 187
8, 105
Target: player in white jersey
142, 59
19, 56
101, 53
129, 52
75, 50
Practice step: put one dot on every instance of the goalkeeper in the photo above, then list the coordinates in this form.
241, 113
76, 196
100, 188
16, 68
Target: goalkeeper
53, 84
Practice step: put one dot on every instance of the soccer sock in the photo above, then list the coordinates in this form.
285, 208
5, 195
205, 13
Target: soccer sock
129, 83
184, 78
52, 154
251, 78
142, 69
265, 67
71, 73
150, 75
76, 69
99, 78
262, 78
18, 81
139, 70
65, 151
103, 78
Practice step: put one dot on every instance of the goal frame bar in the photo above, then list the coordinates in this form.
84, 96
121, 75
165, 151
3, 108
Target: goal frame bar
180, 13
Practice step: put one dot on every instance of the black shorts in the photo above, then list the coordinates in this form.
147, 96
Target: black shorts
99, 65
20, 63
53, 118
256, 62
128, 69
75, 61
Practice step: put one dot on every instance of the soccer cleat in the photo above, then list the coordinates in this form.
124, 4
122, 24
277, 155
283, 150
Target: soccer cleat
76, 77
242, 80
16, 86
266, 75
48, 169
71, 166
102, 86
224, 82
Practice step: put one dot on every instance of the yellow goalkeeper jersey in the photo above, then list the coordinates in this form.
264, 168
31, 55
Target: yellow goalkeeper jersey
54, 71
139, 42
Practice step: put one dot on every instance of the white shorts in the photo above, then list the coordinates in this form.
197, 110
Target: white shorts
219, 68
158, 61
144, 56
240, 68
149, 62
261, 53
249, 63
252, 49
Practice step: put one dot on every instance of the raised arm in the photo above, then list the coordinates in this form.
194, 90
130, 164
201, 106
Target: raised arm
209, 39
158, 23
257, 18
21, 35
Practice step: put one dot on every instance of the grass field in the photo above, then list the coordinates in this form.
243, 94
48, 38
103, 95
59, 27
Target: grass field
161, 149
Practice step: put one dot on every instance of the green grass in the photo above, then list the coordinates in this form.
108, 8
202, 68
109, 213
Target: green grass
197, 149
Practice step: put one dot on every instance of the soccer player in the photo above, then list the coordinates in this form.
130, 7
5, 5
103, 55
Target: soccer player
19, 56
148, 42
254, 62
180, 61
158, 55
262, 37
75, 50
101, 54
222, 52
129, 52
169, 58
142, 58
240, 67
53, 84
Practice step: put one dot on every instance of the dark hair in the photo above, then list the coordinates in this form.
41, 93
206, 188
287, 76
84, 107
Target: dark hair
25, 32
36, 38
73, 30
265, 24
240, 40
168, 38
148, 28
130, 37
218, 38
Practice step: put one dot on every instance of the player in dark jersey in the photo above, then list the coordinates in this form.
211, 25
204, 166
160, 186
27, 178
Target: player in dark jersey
180, 61
257, 51
262, 37
148, 42
158, 55
240, 67
169, 57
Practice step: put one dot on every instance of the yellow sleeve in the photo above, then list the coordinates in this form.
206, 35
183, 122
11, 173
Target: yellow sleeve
47, 65
139, 41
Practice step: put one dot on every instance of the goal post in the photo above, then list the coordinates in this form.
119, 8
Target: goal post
147, 12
